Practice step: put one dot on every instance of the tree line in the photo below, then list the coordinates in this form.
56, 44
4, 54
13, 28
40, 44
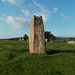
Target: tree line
48, 35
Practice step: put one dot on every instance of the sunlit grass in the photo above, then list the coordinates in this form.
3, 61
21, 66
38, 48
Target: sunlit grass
15, 59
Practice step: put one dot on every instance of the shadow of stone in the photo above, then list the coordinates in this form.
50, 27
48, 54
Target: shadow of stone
59, 51
25, 50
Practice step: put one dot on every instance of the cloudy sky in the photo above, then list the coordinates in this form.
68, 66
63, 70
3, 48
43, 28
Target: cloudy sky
58, 17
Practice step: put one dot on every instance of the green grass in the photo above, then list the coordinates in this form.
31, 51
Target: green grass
15, 59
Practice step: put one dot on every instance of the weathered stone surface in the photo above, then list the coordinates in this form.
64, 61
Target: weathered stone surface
71, 42
37, 36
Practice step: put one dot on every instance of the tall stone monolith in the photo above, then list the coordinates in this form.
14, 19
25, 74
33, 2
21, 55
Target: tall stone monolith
37, 36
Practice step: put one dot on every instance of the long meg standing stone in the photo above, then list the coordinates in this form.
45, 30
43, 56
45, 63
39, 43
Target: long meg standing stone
37, 36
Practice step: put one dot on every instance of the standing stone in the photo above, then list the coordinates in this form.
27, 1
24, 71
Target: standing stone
37, 36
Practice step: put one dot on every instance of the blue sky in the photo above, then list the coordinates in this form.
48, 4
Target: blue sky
58, 17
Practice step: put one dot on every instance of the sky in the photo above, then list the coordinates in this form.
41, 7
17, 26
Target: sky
58, 17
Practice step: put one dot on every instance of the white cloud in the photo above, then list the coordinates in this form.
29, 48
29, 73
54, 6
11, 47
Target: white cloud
45, 13
65, 18
2, 18
12, 1
55, 10
4, 15
37, 4
26, 12
44, 17
17, 22
62, 14
3, 0
20, 15
15, 2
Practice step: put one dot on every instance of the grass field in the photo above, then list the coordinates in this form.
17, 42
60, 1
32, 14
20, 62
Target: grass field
15, 59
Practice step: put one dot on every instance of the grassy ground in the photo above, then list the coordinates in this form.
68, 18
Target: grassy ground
15, 59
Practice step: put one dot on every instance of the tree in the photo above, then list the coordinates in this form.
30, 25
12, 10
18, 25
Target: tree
49, 36
25, 37
71, 39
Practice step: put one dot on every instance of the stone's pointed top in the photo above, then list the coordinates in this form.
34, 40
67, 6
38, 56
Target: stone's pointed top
34, 16
40, 16
37, 16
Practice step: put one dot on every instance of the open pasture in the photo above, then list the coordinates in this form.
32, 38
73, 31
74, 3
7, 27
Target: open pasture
15, 59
